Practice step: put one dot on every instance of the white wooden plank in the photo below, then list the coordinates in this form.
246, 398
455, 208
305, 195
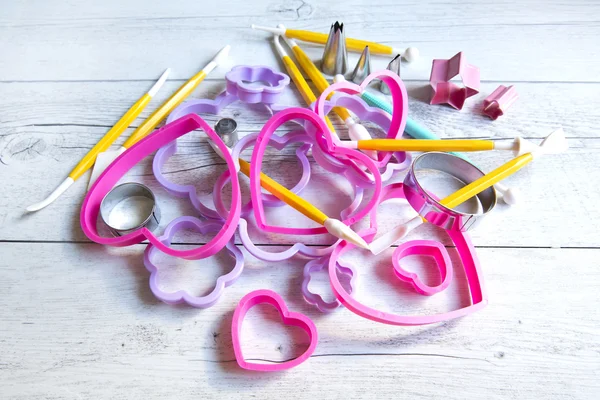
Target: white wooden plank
540, 108
65, 41
78, 321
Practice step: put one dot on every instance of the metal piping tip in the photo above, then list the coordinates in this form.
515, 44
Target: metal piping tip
335, 55
363, 67
393, 66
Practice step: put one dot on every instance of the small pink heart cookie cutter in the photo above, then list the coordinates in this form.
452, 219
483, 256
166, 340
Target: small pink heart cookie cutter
289, 318
126, 161
427, 248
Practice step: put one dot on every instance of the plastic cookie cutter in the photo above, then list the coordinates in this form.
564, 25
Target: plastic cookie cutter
429, 248
278, 142
91, 204
129, 207
316, 299
289, 318
499, 101
330, 162
241, 83
444, 91
256, 164
399, 105
181, 296
469, 261
296, 248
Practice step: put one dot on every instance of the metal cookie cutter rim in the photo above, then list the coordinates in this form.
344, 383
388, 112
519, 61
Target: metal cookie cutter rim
429, 207
121, 192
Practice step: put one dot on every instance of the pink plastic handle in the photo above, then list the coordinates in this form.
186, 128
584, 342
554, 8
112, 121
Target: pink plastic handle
126, 161
289, 318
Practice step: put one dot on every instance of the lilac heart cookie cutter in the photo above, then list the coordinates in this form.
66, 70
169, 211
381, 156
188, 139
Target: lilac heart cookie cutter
316, 299
181, 296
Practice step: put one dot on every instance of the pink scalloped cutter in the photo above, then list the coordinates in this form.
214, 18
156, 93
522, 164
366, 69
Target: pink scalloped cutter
446, 92
499, 101
423, 248
136, 153
256, 164
242, 79
289, 318
181, 296
316, 265
469, 261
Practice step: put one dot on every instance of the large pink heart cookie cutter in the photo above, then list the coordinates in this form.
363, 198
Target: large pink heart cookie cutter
126, 161
289, 318
256, 164
468, 258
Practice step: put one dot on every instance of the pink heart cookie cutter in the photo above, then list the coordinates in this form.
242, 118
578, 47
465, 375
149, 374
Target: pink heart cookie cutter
256, 164
427, 248
469, 260
115, 171
289, 318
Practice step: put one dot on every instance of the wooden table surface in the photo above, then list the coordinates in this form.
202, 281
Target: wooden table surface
78, 320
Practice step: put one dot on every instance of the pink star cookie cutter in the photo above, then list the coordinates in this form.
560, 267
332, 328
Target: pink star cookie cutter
444, 91
499, 101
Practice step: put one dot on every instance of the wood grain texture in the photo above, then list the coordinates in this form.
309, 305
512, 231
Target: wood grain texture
78, 320
537, 337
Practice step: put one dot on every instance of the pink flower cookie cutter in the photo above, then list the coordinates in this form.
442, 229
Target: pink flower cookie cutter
365, 113
316, 299
289, 318
115, 171
444, 91
429, 248
469, 261
241, 79
256, 164
182, 296
499, 101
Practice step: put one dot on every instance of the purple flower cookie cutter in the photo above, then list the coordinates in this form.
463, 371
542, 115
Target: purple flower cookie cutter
316, 299
241, 83
182, 296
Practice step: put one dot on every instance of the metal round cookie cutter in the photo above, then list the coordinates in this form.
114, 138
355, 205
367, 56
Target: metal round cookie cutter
428, 205
129, 207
